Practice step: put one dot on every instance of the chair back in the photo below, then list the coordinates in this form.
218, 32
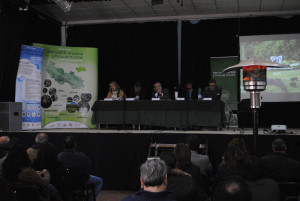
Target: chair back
288, 189
76, 178
26, 192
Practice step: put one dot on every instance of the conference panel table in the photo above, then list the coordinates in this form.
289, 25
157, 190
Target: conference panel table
165, 113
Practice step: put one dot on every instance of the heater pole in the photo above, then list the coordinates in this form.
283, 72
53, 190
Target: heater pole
255, 128
255, 105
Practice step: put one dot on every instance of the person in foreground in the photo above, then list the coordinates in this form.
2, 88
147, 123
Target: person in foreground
73, 159
153, 182
232, 189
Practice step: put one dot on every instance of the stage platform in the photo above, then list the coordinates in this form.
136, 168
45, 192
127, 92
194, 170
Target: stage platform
230, 131
117, 154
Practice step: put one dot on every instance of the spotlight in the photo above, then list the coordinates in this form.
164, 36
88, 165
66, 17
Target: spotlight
64, 4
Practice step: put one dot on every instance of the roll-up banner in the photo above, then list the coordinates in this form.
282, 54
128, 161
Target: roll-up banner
228, 82
69, 86
28, 86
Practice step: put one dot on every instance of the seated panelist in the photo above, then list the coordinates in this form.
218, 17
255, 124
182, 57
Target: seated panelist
213, 91
188, 92
159, 92
115, 92
137, 92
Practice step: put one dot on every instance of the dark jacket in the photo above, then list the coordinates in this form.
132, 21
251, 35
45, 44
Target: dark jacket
148, 196
280, 167
215, 95
183, 187
185, 94
165, 92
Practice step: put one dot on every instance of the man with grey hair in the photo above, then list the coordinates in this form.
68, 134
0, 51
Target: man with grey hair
279, 165
33, 151
153, 182
41, 138
4, 143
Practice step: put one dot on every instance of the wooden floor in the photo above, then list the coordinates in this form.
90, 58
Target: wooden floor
113, 195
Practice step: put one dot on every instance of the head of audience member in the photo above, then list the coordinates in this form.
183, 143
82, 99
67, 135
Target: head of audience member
154, 175
16, 159
189, 86
212, 85
232, 189
279, 145
240, 146
70, 142
137, 87
193, 142
183, 156
169, 158
4, 145
250, 169
157, 87
113, 86
46, 158
231, 159
41, 138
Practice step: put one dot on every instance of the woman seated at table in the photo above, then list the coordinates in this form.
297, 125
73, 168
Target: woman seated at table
115, 92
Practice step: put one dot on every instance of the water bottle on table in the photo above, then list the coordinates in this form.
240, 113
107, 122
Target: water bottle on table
199, 93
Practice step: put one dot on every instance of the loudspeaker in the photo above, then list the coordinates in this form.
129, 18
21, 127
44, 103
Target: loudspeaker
11, 116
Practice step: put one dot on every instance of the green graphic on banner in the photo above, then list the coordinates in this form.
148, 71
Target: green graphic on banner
228, 82
69, 86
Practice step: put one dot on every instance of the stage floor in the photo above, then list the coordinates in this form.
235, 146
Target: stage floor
230, 131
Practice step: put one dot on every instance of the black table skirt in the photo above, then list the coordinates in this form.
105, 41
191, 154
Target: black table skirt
180, 114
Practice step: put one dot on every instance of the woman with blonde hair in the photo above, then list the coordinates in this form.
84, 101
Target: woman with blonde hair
115, 92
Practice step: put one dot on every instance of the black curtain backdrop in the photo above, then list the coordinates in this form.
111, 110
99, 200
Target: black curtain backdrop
10, 40
17, 28
145, 52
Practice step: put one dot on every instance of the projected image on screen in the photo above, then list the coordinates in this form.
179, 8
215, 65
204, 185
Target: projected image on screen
283, 84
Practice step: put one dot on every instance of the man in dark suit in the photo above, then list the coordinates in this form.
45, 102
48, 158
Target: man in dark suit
213, 91
188, 92
279, 165
159, 92
137, 92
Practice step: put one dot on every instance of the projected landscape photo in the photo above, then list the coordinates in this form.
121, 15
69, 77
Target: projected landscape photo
285, 51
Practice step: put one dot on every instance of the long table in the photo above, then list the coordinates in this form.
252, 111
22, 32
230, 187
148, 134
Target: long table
166, 113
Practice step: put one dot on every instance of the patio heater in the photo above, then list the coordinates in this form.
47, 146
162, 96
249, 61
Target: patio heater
254, 81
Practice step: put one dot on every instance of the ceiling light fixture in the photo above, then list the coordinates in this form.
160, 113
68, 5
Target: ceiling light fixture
64, 4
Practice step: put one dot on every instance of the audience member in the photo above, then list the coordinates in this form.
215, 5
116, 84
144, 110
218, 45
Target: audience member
47, 159
159, 92
188, 92
202, 161
115, 91
71, 158
137, 92
279, 165
32, 151
4, 142
184, 163
213, 91
232, 189
263, 189
17, 169
181, 184
153, 181
240, 145
231, 162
